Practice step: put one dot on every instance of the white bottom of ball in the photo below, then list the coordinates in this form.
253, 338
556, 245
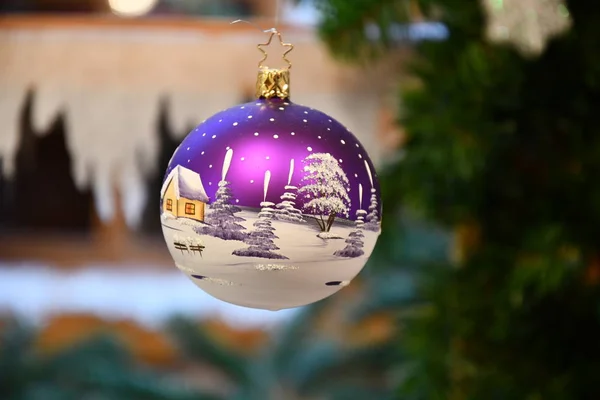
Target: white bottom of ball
315, 267
258, 298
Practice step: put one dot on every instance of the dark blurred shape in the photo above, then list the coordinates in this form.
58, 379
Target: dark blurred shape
167, 146
43, 193
54, 6
206, 8
16, 6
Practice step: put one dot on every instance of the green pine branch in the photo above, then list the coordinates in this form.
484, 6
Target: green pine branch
511, 147
199, 346
99, 366
344, 24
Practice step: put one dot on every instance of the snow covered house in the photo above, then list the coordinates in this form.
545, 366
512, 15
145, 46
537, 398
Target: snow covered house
183, 194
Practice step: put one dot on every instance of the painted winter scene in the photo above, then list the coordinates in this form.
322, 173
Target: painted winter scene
273, 233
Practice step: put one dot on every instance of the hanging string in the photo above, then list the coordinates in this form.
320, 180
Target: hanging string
270, 30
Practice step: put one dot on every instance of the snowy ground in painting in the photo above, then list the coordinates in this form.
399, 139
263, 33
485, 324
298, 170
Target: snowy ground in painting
265, 283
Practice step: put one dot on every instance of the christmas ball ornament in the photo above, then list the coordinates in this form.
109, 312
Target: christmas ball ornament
270, 204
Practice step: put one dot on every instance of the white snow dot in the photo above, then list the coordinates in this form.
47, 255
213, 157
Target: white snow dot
188, 148
286, 104
305, 120
204, 134
214, 136
251, 180
330, 120
319, 137
268, 158
188, 160
343, 142
242, 159
249, 116
281, 108
210, 166
220, 120
235, 124
258, 104
255, 133
328, 129
210, 183
237, 200
341, 160
356, 175
305, 112
276, 136
309, 148
357, 145
293, 133
202, 153
227, 148
271, 119
242, 107
360, 156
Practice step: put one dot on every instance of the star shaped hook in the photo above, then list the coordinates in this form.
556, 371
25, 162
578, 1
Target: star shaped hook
283, 44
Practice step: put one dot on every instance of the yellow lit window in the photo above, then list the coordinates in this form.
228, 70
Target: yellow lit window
190, 208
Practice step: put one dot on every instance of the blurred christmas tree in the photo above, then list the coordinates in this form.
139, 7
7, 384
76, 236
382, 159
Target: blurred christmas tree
504, 149
100, 368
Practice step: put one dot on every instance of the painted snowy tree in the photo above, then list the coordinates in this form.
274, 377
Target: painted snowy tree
354, 243
360, 218
222, 221
373, 215
260, 240
360, 213
286, 209
324, 189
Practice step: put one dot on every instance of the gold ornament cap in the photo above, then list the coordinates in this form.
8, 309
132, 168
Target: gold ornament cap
272, 83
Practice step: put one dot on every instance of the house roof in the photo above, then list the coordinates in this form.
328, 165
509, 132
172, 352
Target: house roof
187, 184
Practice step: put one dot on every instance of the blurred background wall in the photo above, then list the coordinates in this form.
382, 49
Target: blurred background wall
95, 96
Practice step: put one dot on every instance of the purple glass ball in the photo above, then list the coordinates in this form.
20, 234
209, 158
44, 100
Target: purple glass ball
270, 205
